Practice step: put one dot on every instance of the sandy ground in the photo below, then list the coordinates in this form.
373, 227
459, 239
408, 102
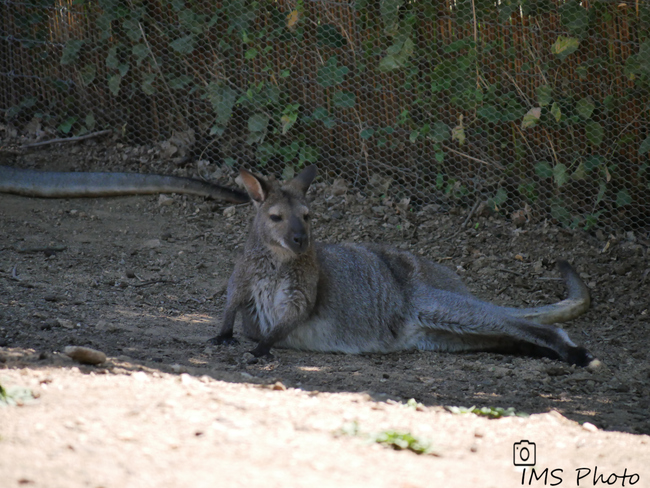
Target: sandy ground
142, 279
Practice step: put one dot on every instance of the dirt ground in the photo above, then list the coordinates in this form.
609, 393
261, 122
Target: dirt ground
142, 279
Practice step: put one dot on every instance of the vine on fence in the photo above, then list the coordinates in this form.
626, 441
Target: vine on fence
521, 103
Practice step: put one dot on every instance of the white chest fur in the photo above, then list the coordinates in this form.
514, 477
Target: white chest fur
270, 300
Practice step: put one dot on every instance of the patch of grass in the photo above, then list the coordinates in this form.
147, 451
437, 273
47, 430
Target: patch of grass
391, 438
403, 441
489, 412
14, 396
415, 405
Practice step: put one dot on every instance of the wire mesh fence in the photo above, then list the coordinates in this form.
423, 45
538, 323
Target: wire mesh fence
533, 109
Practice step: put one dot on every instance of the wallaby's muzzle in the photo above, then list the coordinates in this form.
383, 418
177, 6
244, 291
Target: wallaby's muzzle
298, 238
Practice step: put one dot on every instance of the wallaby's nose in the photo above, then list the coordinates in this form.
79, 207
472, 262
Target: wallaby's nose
298, 236
300, 240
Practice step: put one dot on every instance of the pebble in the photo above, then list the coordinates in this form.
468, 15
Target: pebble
279, 386
151, 244
85, 355
589, 427
65, 323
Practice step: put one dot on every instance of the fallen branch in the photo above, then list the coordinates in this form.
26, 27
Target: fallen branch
68, 139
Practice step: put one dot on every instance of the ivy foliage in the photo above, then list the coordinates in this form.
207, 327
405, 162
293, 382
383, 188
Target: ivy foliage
446, 88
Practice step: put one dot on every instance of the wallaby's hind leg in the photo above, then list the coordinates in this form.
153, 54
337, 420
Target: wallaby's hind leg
457, 322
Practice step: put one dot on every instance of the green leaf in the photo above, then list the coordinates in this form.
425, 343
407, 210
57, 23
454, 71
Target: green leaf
112, 59
498, 199
90, 121
645, 146
585, 107
258, 122
564, 46
594, 132
439, 132
140, 51
320, 113
531, 118
88, 74
398, 55
440, 181
223, 99
309, 154
592, 162
147, 83
71, 51
623, 198
66, 126
328, 35
602, 189
132, 29
555, 111
574, 17
489, 113
114, 84
389, 10
559, 212
344, 99
367, 133
251, 53
179, 82
330, 74
458, 134
191, 21
184, 45
543, 169
560, 174
544, 95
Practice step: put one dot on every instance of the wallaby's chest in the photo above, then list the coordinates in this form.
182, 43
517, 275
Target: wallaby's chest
270, 297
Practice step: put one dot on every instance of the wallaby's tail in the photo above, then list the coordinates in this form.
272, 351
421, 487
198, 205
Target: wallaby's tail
576, 304
46, 184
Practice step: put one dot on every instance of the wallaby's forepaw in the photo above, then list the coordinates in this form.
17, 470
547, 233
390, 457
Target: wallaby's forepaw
223, 340
262, 351
579, 356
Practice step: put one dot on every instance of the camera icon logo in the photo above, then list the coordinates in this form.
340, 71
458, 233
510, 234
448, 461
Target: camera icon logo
525, 453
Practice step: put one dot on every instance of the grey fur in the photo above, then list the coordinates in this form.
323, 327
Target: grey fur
370, 298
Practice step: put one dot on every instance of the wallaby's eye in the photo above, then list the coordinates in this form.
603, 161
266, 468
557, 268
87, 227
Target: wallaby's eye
275, 218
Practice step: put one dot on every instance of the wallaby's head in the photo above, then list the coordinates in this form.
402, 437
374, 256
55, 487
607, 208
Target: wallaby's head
282, 219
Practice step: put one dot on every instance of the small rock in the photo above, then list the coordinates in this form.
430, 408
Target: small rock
151, 244
595, 365
518, 218
140, 376
229, 212
279, 386
177, 368
339, 187
65, 323
557, 371
589, 427
165, 201
51, 297
85, 355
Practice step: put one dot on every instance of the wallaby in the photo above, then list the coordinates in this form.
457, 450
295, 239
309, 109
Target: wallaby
368, 298
54, 184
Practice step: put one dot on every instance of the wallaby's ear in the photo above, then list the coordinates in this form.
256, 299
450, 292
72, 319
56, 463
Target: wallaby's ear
305, 178
256, 187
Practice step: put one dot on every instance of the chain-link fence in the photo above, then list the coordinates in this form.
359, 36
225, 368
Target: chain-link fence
535, 109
